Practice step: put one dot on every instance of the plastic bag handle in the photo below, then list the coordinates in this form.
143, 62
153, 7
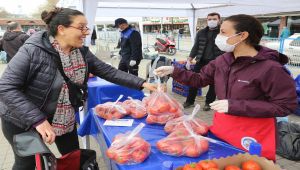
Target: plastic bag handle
158, 80
119, 98
132, 134
136, 131
196, 109
115, 103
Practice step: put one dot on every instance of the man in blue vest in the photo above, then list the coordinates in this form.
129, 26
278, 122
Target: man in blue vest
131, 47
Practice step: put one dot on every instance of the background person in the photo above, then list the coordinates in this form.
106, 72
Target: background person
204, 51
131, 47
12, 40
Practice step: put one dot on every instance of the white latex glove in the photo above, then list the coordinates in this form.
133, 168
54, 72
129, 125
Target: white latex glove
132, 63
188, 65
220, 106
163, 71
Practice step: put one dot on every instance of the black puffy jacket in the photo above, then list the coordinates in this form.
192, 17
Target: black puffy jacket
201, 42
26, 83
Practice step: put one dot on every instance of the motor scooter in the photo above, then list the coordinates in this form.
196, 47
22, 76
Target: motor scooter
166, 45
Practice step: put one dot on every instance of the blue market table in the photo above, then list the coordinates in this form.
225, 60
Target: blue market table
93, 125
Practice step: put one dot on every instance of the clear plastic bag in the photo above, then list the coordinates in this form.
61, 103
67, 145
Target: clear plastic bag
198, 126
161, 107
183, 142
129, 148
110, 110
135, 108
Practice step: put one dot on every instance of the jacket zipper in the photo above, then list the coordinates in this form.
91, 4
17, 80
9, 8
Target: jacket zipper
227, 90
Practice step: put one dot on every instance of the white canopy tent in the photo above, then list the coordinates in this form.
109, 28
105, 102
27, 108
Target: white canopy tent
192, 9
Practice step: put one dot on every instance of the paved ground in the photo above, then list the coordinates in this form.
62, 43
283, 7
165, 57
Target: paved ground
7, 158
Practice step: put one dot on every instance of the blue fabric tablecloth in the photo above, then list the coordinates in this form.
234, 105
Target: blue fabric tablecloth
101, 91
93, 125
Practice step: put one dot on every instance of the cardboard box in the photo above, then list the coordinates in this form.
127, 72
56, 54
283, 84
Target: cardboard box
240, 158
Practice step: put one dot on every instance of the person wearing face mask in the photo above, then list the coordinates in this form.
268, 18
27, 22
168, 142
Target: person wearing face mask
131, 47
204, 51
251, 82
45, 83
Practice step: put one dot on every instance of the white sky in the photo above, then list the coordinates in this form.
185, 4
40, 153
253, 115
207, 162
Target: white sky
21, 6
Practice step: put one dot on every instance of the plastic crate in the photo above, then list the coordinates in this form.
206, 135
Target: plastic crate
181, 64
182, 90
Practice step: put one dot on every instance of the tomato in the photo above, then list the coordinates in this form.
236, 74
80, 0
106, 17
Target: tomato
192, 166
207, 164
213, 169
192, 151
108, 116
163, 119
153, 110
110, 153
122, 159
232, 167
139, 144
204, 145
138, 113
173, 109
251, 165
162, 145
151, 119
163, 107
139, 156
169, 128
175, 149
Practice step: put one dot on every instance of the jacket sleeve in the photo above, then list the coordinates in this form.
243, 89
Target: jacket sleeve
203, 78
1, 45
280, 92
12, 85
136, 46
24, 37
109, 73
194, 50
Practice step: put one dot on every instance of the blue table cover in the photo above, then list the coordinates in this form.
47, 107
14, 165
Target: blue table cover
101, 91
93, 125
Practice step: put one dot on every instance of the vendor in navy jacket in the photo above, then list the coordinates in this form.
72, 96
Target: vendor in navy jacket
131, 47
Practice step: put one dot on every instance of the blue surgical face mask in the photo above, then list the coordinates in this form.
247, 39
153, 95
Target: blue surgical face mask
221, 42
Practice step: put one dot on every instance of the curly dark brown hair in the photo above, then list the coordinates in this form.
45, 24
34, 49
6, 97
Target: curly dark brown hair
59, 16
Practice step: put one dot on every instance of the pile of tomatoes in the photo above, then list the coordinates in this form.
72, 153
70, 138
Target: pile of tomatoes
128, 152
211, 165
110, 110
161, 108
182, 143
198, 126
135, 108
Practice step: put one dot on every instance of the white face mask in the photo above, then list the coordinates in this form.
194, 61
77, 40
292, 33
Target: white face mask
212, 23
221, 42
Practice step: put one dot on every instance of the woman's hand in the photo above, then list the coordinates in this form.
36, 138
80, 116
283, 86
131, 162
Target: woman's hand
220, 106
163, 71
149, 86
47, 132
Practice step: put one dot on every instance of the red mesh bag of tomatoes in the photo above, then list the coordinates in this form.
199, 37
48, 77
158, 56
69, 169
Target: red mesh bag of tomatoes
135, 108
129, 148
183, 142
111, 110
198, 126
161, 108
